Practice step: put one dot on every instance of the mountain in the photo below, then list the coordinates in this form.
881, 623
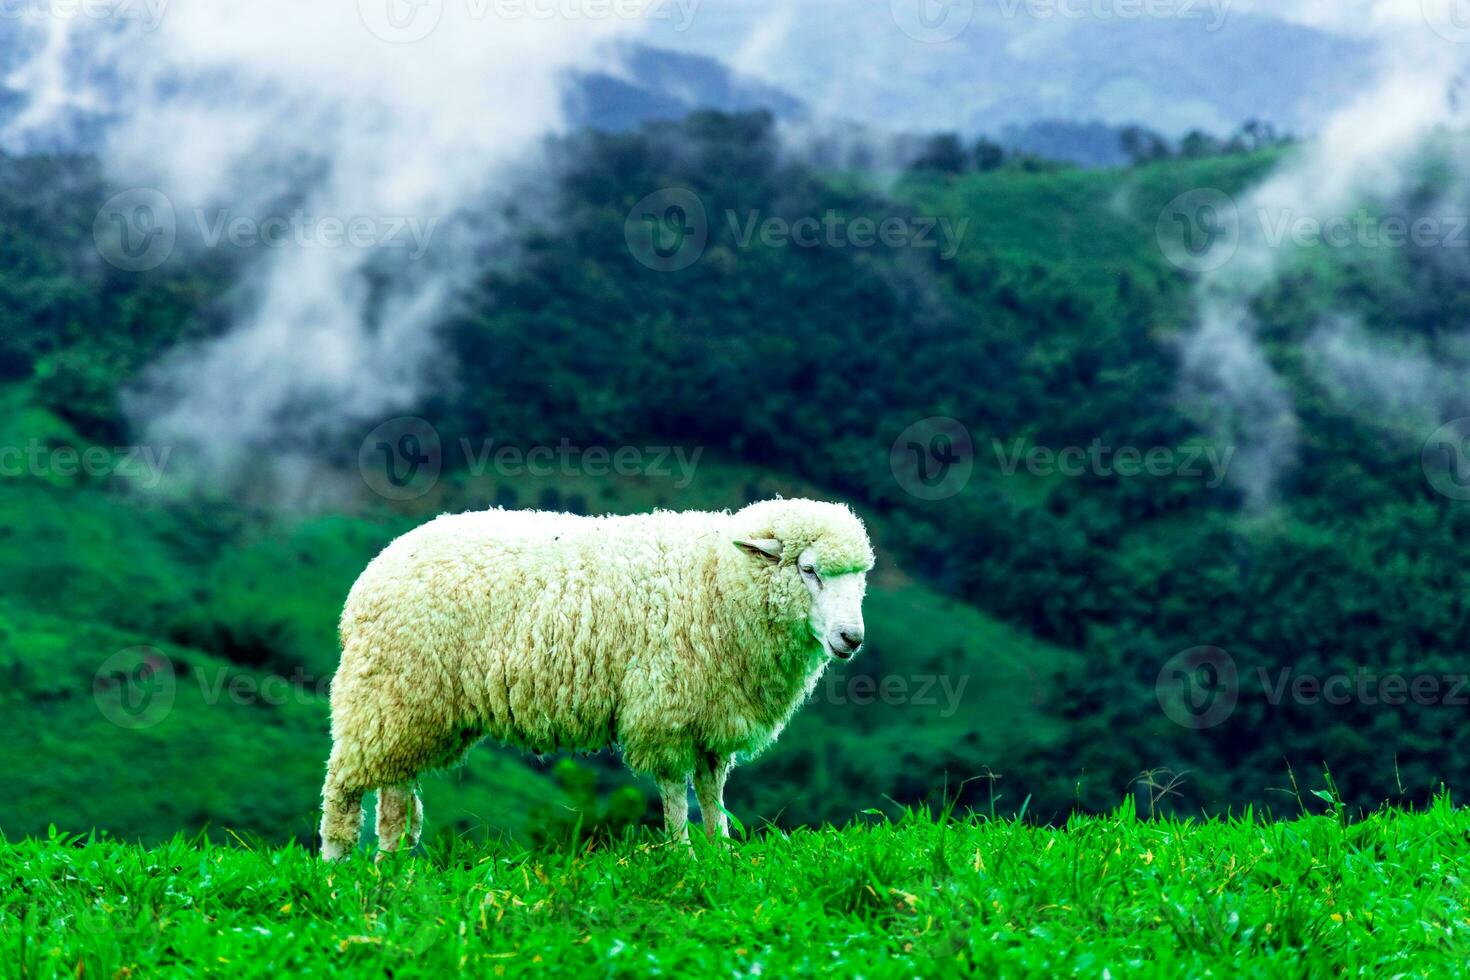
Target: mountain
1170, 74
1087, 144
657, 84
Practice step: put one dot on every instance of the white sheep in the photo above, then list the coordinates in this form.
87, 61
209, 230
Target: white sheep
684, 638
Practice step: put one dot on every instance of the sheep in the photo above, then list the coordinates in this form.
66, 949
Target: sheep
684, 639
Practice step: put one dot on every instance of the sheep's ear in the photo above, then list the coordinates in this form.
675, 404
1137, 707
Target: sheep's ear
766, 549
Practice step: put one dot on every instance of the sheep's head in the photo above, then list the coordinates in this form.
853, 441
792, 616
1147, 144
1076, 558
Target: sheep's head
817, 557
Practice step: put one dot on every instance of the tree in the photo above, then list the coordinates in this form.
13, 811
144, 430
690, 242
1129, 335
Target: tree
1143, 145
1197, 145
942, 153
988, 155
1259, 134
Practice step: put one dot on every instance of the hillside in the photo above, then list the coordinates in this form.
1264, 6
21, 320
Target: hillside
1317, 896
1056, 322
232, 733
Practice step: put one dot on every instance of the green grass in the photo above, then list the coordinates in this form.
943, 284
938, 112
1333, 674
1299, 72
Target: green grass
1089, 223
1104, 895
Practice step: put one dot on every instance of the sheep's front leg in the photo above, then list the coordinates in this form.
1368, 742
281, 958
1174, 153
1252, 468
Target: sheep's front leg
709, 786
675, 793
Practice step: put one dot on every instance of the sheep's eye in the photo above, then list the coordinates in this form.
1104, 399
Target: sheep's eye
811, 573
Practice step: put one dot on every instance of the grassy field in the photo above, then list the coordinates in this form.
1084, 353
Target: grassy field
1108, 895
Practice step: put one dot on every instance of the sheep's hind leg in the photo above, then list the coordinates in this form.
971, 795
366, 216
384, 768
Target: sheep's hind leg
709, 786
341, 819
675, 793
400, 816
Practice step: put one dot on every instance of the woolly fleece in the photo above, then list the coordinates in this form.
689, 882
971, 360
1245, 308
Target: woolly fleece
553, 631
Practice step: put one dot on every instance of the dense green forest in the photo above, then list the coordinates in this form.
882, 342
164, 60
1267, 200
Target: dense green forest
1039, 608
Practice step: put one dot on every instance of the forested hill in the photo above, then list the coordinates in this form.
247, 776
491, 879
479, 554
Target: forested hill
798, 326
1056, 324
